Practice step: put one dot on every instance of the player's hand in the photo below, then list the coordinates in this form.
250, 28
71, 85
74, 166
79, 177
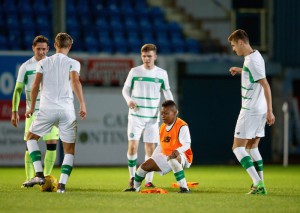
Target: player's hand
173, 155
270, 118
132, 105
15, 119
29, 113
235, 70
82, 111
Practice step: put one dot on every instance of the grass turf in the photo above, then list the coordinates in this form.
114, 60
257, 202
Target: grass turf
221, 189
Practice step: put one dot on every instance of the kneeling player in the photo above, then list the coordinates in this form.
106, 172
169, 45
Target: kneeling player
172, 154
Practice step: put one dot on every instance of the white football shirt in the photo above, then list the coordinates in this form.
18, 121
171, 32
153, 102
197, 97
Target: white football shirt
146, 86
26, 76
56, 90
253, 98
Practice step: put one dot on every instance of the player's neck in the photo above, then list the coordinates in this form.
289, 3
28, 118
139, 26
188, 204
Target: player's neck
248, 51
64, 51
148, 67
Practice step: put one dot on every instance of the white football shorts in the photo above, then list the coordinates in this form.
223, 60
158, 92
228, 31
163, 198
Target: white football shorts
162, 163
250, 126
65, 120
149, 129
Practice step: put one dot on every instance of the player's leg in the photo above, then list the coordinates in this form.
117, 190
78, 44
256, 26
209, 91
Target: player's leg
146, 167
67, 165
246, 161
134, 132
149, 149
177, 168
256, 156
151, 138
132, 159
35, 154
67, 130
29, 169
50, 155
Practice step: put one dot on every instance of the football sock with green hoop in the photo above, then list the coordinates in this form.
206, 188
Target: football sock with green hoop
246, 161
138, 178
29, 169
49, 159
66, 168
149, 175
258, 162
132, 164
35, 154
178, 172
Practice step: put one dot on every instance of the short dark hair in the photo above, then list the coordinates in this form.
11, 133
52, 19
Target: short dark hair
40, 39
63, 40
169, 103
148, 47
239, 35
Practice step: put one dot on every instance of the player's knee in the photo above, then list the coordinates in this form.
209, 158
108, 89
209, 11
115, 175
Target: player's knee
31, 136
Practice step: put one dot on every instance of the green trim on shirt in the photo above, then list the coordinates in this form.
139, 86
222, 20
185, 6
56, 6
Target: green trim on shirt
28, 72
148, 79
145, 98
147, 107
141, 116
245, 108
246, 69
246, 88
246, 98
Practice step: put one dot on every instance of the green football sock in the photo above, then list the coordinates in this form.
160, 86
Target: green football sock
29, 169
49, 161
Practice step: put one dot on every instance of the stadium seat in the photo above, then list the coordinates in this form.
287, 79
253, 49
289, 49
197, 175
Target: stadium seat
130, 24
91, 44
102, 24
192, 46
145, 25
14, 39
157, 13
120, 45
3, 42
42, 21
106, 45
13, 22
72, 23
27, 23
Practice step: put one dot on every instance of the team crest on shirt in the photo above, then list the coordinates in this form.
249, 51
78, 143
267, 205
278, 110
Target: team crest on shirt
131, 135
140, 79
156, 80
167, 139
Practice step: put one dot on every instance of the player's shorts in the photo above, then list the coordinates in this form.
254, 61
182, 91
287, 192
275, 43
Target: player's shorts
250, 126
162, 163
149, 129
53, 135
65, 120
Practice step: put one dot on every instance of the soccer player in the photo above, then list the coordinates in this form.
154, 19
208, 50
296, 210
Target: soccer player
142, 91
40, 47
256, 109
173, 153
58, 75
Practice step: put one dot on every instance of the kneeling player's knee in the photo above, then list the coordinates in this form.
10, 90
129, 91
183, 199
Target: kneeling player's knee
31, 136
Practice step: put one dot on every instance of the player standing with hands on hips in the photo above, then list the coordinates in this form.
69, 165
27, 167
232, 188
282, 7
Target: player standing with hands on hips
142, 91
58, 75
255, 112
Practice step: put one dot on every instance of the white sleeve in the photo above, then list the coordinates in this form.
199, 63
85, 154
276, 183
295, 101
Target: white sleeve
128, 79
75, 66
257, 69
21, 74
126, 93
157, 150
39, 67
166, 82
184, 138
168, 94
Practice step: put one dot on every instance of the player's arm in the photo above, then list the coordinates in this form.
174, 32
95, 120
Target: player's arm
168, 94
126, 91
235, 70
268, 95
34, 93
15, 103
185, 139
77, 88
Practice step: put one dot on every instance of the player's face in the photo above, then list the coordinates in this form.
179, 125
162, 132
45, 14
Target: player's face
148, 59
237, 47
40, 50
168, 114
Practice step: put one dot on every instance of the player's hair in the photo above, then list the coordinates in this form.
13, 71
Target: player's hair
239, 35
63, 40
148, 47
169, 103
40, 39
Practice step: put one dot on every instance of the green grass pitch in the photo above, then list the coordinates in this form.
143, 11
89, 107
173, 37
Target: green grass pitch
221, 189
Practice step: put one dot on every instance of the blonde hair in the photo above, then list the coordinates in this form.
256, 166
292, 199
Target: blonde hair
148, 47
40, 39
239, 35
63, 40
